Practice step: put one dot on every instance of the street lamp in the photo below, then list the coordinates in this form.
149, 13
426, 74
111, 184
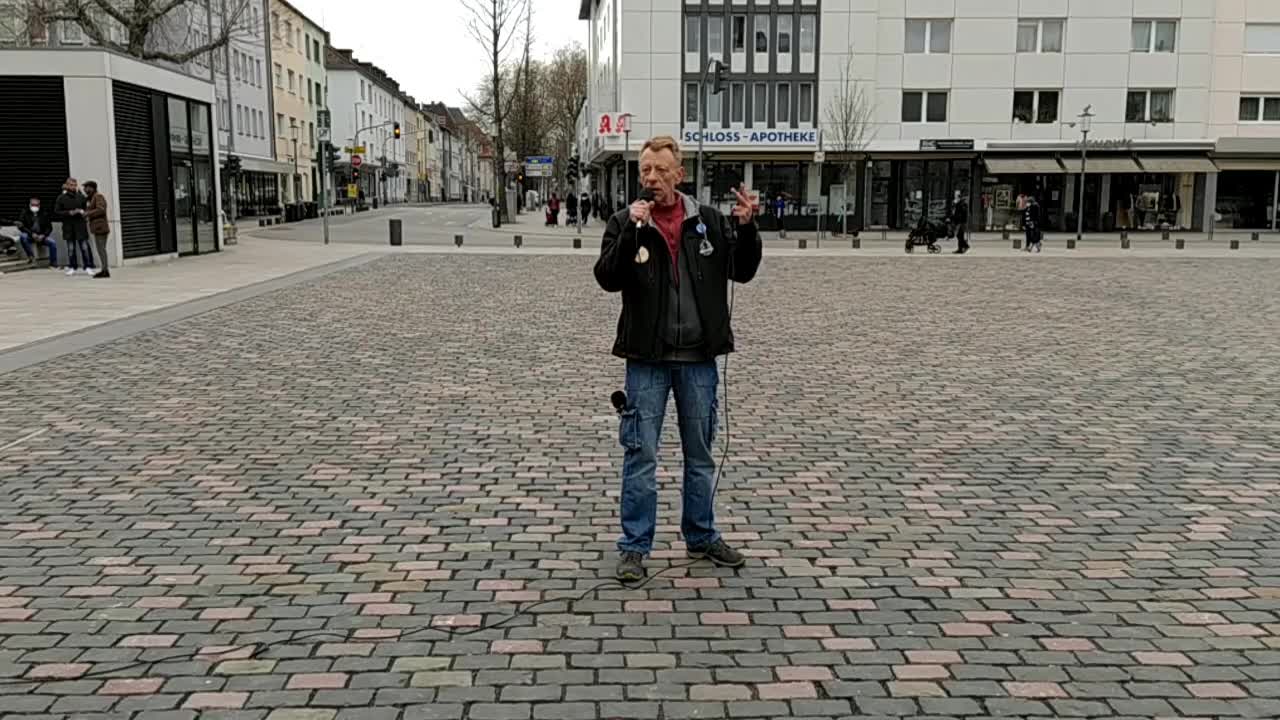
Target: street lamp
1085, 124
293, 133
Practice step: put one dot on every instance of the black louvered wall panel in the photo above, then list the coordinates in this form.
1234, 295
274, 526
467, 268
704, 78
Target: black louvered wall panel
33, 142
136, 169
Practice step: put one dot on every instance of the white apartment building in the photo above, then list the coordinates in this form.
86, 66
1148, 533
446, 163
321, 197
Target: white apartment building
363, 99
246, 110
967, 99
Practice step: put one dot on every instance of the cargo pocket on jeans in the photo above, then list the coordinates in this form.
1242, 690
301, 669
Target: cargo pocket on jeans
629, 429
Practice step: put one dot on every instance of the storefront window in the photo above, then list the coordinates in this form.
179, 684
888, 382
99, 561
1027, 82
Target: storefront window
782, 188
1246, 199
881, 189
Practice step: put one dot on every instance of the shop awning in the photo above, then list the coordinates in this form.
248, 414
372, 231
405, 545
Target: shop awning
1177, 164
1022, 166
1265, 164
1102, 165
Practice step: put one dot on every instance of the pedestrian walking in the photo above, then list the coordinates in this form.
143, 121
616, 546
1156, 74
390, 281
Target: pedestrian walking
99, 227
672, 260
69, 209
1031, 221
960, 222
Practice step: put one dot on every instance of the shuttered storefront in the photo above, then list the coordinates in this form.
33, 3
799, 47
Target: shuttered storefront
136, 169
33, 133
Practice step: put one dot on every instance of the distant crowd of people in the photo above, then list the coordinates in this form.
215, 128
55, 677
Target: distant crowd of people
81, 215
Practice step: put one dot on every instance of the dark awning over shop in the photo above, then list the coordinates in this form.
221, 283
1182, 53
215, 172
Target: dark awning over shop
1022, 166
1185, 164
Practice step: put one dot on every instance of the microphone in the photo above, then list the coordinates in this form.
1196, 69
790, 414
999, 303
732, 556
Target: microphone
619, 400
646, 195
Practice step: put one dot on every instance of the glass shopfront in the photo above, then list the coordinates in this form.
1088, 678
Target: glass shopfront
191, 173
904, 191
1246, 200
1004, 196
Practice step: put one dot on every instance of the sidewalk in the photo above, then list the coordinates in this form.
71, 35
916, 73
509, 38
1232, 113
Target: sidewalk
46, 303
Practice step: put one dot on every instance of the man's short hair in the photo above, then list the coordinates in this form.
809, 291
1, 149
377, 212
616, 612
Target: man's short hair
663, 142
92, 184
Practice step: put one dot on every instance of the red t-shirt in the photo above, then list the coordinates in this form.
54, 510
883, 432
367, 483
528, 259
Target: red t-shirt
668, 221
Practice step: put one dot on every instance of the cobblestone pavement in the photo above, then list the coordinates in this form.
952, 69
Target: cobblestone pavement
991, 488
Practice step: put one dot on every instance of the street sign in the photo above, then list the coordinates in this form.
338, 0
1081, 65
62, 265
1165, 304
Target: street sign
353, 191
539, 166
946, 144
322, 134
357, 150
356, 161
613, 124
322, 118
819, 156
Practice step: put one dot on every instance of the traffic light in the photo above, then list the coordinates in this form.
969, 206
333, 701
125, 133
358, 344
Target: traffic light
573, 169
395, 129
233, 165
333, 154
721, 78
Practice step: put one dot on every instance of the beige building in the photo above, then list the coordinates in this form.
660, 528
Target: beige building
298, 87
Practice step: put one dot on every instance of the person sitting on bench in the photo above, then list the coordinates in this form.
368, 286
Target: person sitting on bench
34, 226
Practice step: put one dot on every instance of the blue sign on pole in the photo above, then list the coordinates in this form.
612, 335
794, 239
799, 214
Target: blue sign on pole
539, 160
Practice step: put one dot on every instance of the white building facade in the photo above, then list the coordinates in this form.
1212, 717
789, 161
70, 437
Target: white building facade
967, 99
365, 102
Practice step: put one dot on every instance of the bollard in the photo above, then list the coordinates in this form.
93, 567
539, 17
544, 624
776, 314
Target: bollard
782, 233
857, 242
1017, 242
577, 243
1235, 244
1124, 235
1071, 243
1124, 241
1179, 244
802, 243
1004, 234
457, 240
519, 240
1164, 235
1256, 237
396, 237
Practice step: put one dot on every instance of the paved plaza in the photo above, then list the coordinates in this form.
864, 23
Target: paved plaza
1000, 486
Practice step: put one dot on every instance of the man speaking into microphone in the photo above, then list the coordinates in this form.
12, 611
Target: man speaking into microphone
672, 259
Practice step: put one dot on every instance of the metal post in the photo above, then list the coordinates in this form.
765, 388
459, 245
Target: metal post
1086, 124
702, 124
324, 191
626, 166
820, 213
1275, 201
231, 127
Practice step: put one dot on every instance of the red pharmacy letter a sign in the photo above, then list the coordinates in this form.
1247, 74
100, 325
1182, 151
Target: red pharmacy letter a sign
605, 129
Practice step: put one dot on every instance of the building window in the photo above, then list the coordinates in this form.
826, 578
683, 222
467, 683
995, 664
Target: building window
715, 35
316, 50
71, 32
1262, 38
1149, 106
737, 103
804, 111
692, 34
1038, 106
293, 83
762, 36
275, 24
1040, 36
288, 32
311, 98
279, 124
739, 33
1254, 108
279, 72
928, 36
808, 33
922, 106
783, 101
714, 106
760, 104
691, 103
1154, 36
784, 33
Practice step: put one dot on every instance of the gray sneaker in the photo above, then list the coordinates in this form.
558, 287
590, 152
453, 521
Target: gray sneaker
630, 567
719, 553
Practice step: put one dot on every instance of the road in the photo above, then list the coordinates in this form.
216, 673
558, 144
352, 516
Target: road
992, 487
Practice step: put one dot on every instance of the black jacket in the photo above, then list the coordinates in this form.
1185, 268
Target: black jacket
74, 227
35, 223
645, 285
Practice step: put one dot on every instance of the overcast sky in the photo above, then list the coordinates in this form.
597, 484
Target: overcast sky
424, 44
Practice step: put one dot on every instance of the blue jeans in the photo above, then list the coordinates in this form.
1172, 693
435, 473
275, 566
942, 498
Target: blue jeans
47, 241
647, 388
86, 254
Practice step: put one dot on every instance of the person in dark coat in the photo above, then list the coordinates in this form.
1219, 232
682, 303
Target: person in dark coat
35, 228
1032, 218
69, 209
960, 223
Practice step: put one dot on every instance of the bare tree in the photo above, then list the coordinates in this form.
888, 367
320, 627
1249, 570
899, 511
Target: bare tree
495, 26
155, 30
564, 85
850, 116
